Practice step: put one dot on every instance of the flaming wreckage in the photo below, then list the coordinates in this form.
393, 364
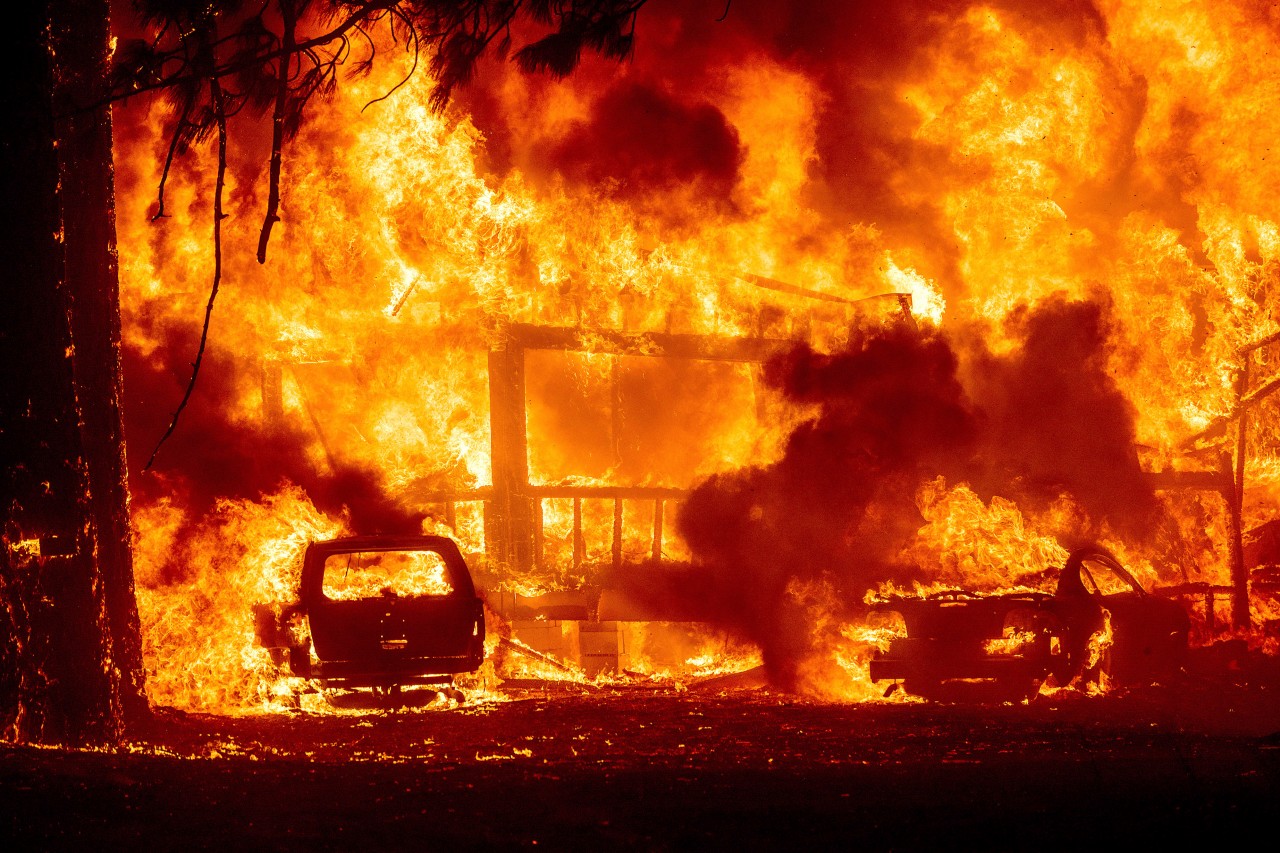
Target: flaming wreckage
379, 612
1099, 624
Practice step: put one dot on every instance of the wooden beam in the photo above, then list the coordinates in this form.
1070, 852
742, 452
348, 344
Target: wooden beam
1239, 571
1203, 481
703, 347
1246, 402
579, 544
511, 514
637, 493
617, 533
615, 413
658, 506
1260, 343
794, 290
538, 522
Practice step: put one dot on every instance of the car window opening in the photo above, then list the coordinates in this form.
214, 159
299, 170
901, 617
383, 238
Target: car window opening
386, 574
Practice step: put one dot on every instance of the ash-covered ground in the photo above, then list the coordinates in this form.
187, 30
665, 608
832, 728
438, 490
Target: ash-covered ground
570, 767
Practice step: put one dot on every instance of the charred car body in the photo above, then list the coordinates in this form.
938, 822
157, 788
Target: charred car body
1100, 621
379, 611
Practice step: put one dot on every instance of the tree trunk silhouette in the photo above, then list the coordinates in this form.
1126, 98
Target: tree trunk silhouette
70, 647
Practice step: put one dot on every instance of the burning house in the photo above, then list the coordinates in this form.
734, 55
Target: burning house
697, 355
779, 425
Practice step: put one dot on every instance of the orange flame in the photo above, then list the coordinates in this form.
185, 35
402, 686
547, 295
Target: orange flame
1129, 162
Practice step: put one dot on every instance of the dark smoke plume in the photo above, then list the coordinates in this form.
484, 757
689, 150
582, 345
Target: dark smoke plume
640, 140
839, 505
897, 409
1055, 421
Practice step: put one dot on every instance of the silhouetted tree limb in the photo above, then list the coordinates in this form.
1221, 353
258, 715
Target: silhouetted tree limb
218, 100
414, 50
288, 42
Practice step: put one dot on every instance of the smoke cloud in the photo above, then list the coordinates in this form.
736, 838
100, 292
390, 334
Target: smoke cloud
1055, 422
639, 140
894, 411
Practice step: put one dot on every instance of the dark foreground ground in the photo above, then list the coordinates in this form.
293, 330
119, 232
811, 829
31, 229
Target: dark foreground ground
640, 768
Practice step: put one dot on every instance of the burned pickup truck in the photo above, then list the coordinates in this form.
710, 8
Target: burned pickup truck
1099, 623
379, 612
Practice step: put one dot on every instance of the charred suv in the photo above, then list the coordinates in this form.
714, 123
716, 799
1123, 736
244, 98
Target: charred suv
1099, 623
379, 611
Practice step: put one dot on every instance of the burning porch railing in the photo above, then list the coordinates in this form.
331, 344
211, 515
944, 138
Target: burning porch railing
513, 518
448, 503
660, 497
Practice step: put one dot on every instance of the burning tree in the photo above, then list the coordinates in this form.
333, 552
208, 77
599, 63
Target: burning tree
70, 665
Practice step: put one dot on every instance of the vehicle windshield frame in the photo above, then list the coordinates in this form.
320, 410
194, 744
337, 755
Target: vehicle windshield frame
318, 553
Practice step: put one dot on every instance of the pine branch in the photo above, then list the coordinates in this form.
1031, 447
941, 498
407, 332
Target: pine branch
288, 46
220, 116
363, 14
168, 160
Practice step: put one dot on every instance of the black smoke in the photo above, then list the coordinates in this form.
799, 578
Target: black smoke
898, 408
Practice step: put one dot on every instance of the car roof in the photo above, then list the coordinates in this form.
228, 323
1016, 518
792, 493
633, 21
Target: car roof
383, 543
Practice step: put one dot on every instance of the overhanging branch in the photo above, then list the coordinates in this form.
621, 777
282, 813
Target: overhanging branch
218, 99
